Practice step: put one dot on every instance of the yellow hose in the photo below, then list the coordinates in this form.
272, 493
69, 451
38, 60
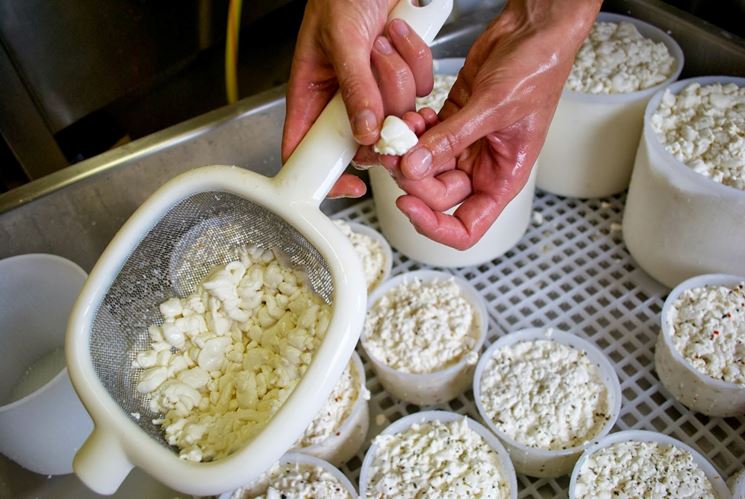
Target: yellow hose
231, 50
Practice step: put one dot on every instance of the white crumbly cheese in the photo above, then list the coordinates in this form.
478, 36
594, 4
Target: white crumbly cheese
615, 58
544, 394
396, 138
421, 327
227, 356
436, 99
645, 470
294, 481
704, 128
370, 252
435, 459
339, 406
707, 327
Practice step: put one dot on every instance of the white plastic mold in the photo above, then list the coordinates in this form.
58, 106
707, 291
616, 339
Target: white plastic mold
692, 388
589, 149
679, 223
438, 386
534, 461
717, 482
340, 447
305, 459
403, 424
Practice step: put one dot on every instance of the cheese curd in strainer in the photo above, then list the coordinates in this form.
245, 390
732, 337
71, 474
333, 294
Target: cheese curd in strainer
227, 356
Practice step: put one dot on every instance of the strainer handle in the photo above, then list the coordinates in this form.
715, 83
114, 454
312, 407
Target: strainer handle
101, 463
329, 146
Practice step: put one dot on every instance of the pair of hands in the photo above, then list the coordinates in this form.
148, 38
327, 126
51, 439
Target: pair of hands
481, 148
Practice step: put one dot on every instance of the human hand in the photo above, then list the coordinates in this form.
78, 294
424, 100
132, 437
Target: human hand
481, 150
379, 68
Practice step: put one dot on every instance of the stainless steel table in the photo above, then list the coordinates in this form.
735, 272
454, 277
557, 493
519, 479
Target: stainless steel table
75, 212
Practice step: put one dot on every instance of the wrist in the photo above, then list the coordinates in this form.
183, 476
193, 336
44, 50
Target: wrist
568, 22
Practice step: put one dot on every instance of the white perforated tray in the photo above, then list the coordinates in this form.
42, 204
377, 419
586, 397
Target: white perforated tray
572, 271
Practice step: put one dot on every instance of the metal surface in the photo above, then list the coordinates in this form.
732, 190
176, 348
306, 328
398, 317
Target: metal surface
23, 128
76, 211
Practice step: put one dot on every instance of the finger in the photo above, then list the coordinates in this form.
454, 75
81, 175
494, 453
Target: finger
414, 52
442, 143
395, 79
461, 230
310, 88
366, 156
351, 60
439, 193
348, 186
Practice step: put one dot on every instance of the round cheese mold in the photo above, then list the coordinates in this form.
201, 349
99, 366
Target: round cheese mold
446, 447
551, 419
503, 234
679, 223
691, 385
656, 465
445, 369
373, 249
339, 430
590, 146
298, 476
736, 485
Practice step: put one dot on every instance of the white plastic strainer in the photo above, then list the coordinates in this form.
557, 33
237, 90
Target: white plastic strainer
194, 222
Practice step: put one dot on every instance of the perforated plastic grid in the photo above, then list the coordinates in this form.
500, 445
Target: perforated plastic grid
572, 271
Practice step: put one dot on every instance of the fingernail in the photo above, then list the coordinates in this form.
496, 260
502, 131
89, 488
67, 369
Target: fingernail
365, 123
383, 45
399, 27
419, 162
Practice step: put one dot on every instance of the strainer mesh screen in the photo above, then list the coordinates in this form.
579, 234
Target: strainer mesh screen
200, 232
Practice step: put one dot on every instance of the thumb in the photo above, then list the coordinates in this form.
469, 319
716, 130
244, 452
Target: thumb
441, 144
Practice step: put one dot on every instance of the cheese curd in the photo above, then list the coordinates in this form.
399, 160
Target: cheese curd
440, 91
544, 394
337, 409
704, 128
615, 58
396, 138
227, 356
646, 470
370, 252
435, 459
707, 327
421, 327
294, 481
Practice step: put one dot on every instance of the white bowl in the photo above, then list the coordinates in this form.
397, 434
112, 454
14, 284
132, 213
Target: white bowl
438, 386
297, 458
590, 146
342, 446
649, 436
690, 387
542, 462
678, 223
387, 252
443, 416
504, 233
42, 430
